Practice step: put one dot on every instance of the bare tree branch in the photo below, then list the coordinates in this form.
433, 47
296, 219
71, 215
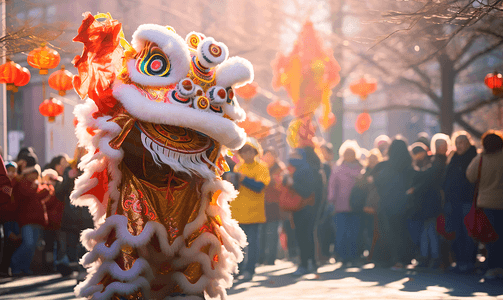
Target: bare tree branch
428, 91
466, 47
474, 132
394, 107
478, 105
478, 55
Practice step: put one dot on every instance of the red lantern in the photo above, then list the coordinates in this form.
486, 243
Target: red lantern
247, 91
363, 122
494, 81
61, 81
51, 108
363, 87
278, 109
43, 58
14, 75
326, 124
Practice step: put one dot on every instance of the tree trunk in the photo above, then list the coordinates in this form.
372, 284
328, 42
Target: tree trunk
448, 77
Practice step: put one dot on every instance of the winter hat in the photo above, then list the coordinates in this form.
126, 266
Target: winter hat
51, 174
10, 164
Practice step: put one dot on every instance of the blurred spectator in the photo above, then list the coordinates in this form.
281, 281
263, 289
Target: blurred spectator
25, 154
11, 232
458, 201
11, 168
424, 138
269, 234
368, 217
32, 216
341, 182
382, 143
307, 181
326, 228
428, 201
420, 158
489, 195
249, 207
393, 178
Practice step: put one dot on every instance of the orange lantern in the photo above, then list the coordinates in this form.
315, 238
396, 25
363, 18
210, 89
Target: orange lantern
250, 124
278, 109
326, 123
43, 58
51, 108
61, 81
14, 76
247, 91
494, 81
363, 122
363, 87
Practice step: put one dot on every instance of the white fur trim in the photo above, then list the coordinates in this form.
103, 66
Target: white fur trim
213, 125
107, 158
179, 162
234, 111
234, 72
171, 44
216, 275
204, 56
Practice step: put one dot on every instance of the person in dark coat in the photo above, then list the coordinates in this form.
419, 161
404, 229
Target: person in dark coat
428, 201
393, 178
458, 201
307, 181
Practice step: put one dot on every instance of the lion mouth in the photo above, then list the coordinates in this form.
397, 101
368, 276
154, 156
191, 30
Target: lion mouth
183, 149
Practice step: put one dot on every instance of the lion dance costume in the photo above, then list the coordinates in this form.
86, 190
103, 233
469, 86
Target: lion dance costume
157, 116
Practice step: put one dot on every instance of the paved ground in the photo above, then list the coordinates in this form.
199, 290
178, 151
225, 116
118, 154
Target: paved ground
274, 282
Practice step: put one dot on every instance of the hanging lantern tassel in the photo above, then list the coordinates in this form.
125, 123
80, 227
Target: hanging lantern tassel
52, 138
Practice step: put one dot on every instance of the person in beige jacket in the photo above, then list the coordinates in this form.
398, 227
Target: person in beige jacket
490, 196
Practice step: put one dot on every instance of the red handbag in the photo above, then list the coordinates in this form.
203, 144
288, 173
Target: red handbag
289, 200
476, 221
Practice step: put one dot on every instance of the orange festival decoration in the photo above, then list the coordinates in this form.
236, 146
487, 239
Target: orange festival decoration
250, 124
308, 73
51, 108
247, 91
14, 76
326, 124
363, 122
61, 81
43, 58
494, 81
278, 109
262, 131
363, 87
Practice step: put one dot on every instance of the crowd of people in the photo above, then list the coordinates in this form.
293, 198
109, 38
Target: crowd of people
37, 216
395, 205
399, 205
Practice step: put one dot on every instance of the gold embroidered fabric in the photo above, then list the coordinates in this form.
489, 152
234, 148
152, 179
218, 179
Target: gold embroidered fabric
149, 192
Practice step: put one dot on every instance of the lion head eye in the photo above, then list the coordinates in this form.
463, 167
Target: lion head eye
154, 62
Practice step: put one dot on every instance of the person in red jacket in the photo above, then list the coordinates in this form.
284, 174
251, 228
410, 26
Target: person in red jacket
7, 207
32, 215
